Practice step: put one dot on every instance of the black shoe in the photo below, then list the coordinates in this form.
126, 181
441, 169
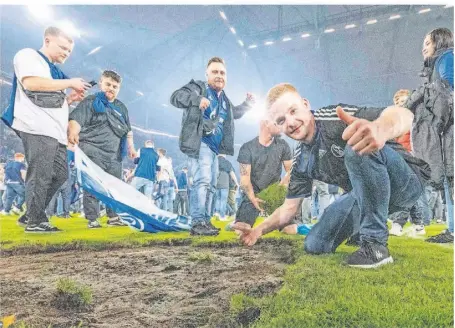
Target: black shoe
369, 255
202, 229
43, 227
23, 220
444, 237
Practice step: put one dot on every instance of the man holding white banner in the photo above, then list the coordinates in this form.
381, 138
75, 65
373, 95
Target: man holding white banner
100, 125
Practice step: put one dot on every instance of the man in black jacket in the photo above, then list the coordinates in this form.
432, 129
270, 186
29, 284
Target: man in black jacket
347, 146
207, 130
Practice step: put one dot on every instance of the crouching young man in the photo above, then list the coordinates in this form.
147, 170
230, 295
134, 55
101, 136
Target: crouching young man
346, 146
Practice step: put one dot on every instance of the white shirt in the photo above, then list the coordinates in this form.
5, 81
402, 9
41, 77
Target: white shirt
29, 118
166, 171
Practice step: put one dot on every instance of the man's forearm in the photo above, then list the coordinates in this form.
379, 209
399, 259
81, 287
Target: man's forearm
130, 140
395, 121
74, 127
247, 188
35, 83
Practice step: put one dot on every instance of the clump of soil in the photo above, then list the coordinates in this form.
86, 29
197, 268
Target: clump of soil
156, 286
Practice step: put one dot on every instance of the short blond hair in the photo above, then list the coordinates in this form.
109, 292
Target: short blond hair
276, 92
55, 31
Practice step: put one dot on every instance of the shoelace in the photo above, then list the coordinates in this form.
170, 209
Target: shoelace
366, 250
46, 225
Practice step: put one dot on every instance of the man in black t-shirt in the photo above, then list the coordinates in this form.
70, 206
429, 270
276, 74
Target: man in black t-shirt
101, 126
347, 146
261, 161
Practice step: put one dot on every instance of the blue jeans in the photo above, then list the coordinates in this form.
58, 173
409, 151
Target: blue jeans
170, 199
382, 183
221, 200
148, 185
14, 190
163, 195
204, 172
449, 205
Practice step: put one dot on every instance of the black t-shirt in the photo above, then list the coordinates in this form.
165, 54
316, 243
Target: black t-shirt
266, 162
97, 139
224, 170
323, 159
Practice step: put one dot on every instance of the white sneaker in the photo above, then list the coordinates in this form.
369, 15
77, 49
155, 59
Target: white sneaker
225, 218
15, 210
414, 230
420, 230
5, 213
396, 230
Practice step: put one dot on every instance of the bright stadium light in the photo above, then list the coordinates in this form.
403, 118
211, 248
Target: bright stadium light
268, 43
286, 39
94, 50
233, 30
394, 17
223, 16
164, 105
423, 11
68, 28
2, 81
42, 12
240, 42
140, 93
350, 26
329, 30
252, 46
306, 35
372, 21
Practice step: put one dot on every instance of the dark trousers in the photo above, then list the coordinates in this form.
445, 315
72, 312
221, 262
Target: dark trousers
91, 204
181, 203
65, 191
47, 171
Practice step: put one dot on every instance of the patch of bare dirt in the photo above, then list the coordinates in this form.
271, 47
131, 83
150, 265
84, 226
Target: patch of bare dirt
158, 286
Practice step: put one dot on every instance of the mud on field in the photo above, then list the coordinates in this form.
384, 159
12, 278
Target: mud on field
158, 286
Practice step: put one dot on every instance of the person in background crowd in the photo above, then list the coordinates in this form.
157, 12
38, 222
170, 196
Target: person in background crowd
15, 175
172, 190
319, 200
41, 121
207, 130
164, 176
145, 173
432, 106
420, 212
101, 126
226, 172
181, 201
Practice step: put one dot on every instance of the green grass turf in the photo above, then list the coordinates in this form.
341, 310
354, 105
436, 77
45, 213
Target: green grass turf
318, 291
417, 290
76, 235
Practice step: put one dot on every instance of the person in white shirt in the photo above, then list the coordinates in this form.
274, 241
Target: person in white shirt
164, 176
38, 113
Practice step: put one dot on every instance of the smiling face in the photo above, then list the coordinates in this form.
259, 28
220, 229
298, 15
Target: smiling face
292, 114
216, 76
